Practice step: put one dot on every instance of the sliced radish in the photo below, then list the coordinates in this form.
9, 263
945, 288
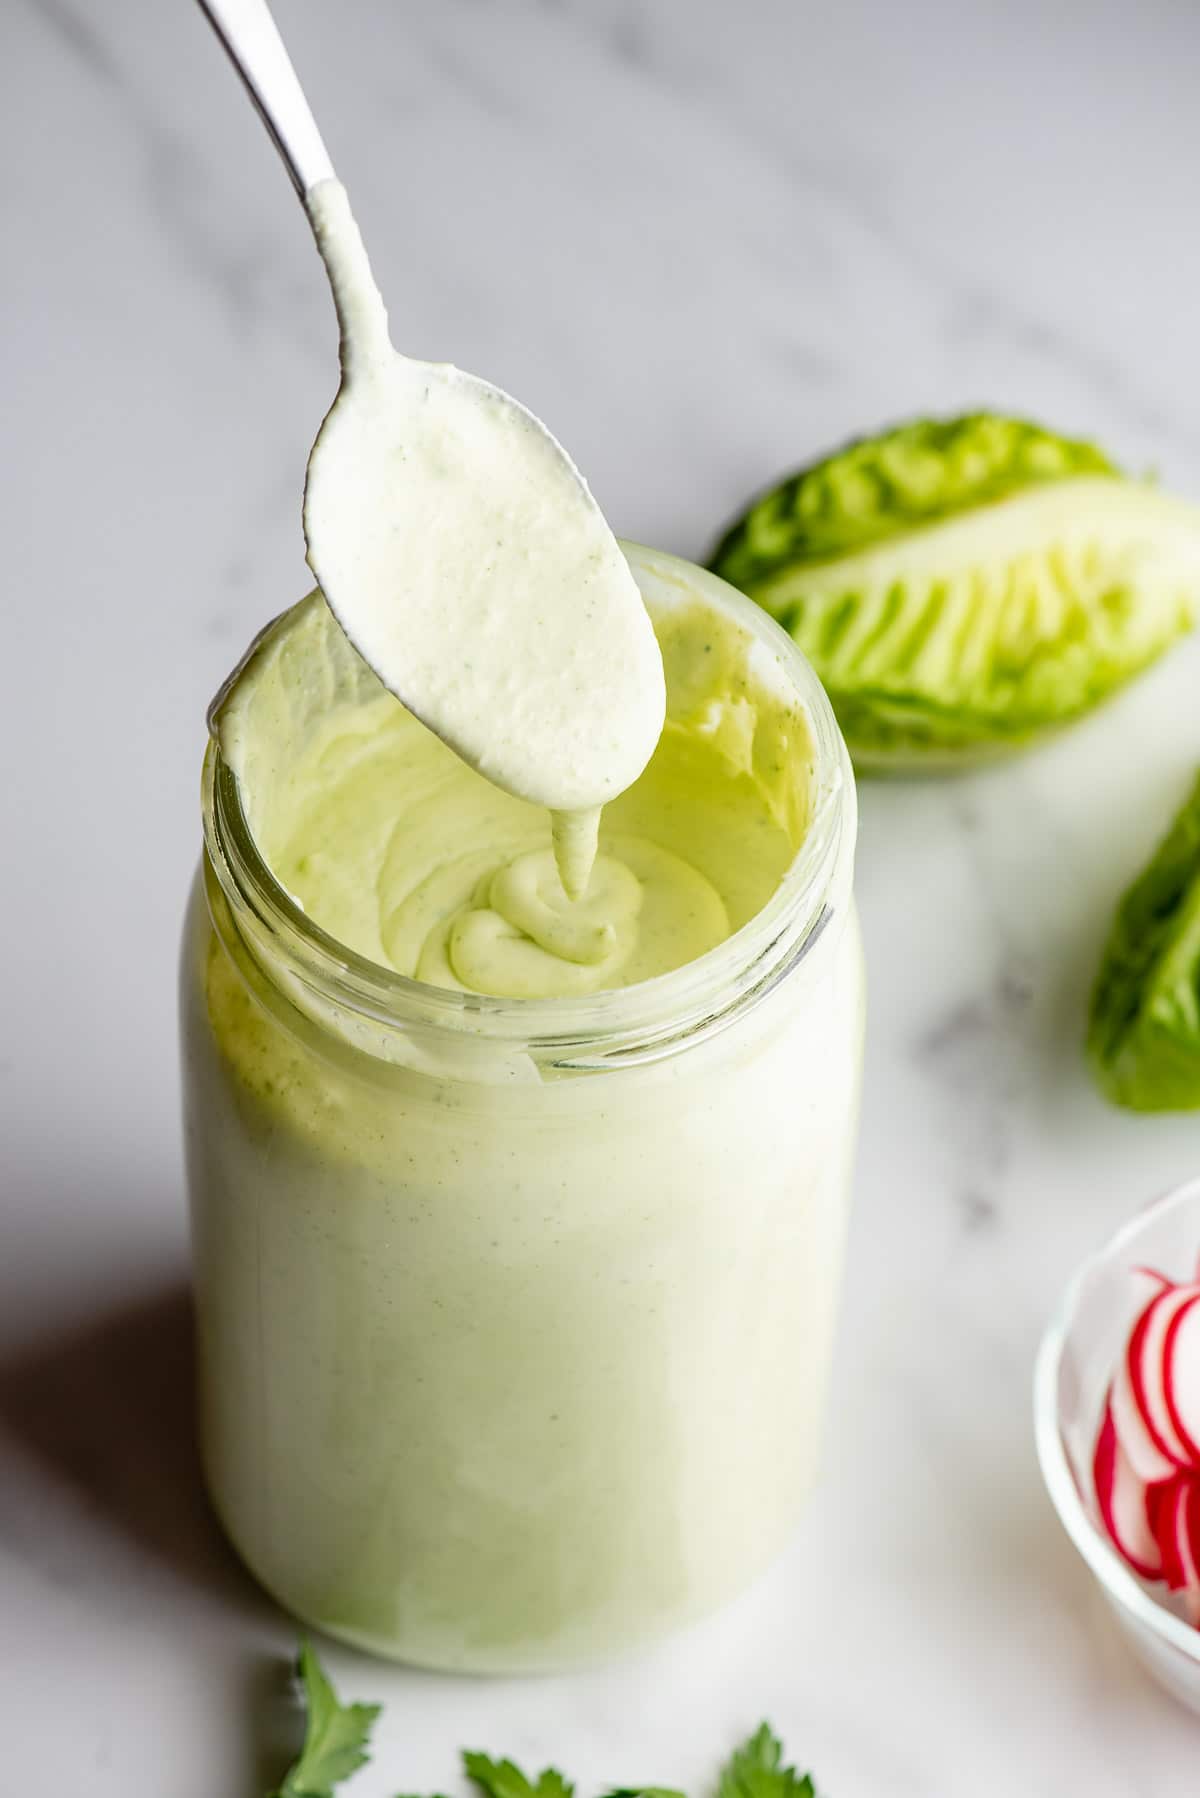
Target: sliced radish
1148, 1457
1140, 1449
1189, 1534
1186, 1546
1122, 1499
1161, 1502
1182, 1358
1146, 1464
1147, 1370
1177, 1520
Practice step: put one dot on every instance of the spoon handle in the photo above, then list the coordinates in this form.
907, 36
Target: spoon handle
256, 50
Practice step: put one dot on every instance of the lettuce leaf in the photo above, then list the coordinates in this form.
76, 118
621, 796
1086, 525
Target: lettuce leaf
961, 586
1143, 1039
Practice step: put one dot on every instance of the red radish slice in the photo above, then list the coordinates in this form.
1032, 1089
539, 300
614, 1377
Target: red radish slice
1149, 1461
1180, 1562
1122, 1500
1146, 1459
1172, 1525
1178, 1523
1186, 1521
1161, 1504
1182, 1356
1147, 1370
1189, 1534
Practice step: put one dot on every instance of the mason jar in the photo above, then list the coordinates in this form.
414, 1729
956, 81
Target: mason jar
514, 1316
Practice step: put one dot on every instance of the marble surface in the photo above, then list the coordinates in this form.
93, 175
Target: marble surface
703, 241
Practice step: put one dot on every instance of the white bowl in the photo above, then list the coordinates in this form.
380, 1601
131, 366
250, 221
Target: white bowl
1074, 1367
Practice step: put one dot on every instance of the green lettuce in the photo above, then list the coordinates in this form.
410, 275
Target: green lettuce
962, 585
1144, 1031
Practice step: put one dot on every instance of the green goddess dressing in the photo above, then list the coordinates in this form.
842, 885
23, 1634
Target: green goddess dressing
467, 562
515, 1278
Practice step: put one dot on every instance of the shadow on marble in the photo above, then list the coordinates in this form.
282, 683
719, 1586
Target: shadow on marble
106, 1411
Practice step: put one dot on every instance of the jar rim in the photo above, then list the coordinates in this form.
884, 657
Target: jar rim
650, 1017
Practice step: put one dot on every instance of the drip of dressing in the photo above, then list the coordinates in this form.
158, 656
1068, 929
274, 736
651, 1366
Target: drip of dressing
464, 557
394, 847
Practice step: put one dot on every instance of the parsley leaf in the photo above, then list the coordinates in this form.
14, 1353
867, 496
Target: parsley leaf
644, 1792
335, 1735
756, 1770
502, 1779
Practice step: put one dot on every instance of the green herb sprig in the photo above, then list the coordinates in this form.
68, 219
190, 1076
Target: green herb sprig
336, 1735
337, 1740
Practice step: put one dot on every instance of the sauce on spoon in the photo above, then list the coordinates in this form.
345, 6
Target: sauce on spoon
464, 557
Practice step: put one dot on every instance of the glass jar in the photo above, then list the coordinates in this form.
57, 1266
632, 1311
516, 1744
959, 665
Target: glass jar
514, 1317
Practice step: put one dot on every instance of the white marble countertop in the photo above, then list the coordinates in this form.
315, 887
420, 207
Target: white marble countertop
703, 241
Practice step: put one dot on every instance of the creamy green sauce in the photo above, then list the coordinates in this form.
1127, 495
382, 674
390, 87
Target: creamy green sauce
509, 1362
468, 562
403, 853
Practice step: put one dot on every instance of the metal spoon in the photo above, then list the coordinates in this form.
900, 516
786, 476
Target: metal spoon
581, 677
